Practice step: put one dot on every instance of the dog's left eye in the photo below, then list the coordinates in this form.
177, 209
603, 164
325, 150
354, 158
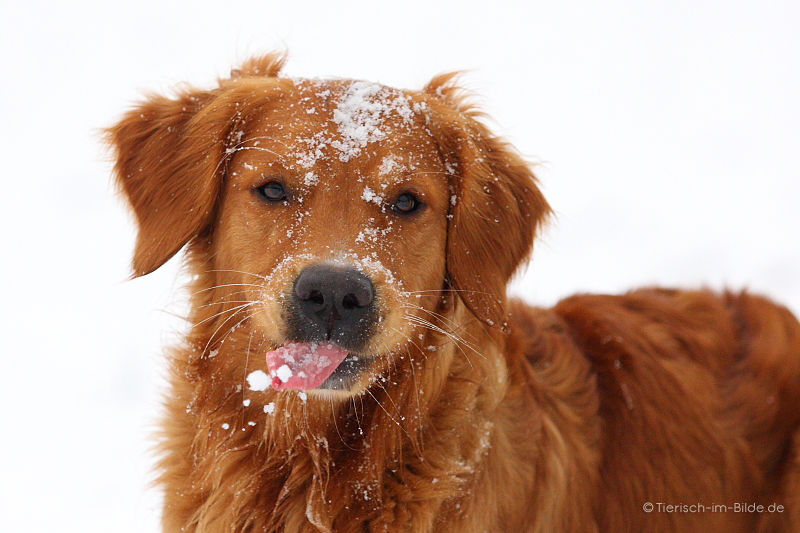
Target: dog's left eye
272, 191
406, 203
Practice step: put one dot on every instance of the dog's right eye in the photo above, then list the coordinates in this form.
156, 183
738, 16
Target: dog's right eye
271, 191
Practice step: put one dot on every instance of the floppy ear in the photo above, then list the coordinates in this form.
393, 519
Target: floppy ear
169, 160
167, 167
496, 208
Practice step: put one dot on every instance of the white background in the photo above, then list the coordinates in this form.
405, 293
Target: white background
668, 132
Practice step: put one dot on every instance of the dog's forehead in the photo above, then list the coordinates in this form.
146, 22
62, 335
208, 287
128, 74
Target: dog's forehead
328, 124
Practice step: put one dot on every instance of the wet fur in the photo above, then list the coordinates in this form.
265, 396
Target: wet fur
520, 419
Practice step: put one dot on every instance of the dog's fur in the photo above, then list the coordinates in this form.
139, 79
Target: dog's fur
476, 413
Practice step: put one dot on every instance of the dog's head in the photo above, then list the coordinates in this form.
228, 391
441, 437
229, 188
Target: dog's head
339, 220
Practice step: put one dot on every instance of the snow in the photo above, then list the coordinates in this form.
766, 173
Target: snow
258, 380
284, 373
308, 155
388, 164
371, 196
361, 114
373, 264
310, 179
359, 118
269, 408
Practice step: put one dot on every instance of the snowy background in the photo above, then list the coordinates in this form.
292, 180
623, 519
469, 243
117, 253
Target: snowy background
668, 132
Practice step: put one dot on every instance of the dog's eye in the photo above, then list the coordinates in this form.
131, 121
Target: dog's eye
272, 191
406, 203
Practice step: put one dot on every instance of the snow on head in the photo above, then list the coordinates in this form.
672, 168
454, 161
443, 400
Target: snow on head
308, 155
359, 118
361, 113
388, 164
371, 196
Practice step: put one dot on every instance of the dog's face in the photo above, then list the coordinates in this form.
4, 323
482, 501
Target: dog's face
333, 218
341, 219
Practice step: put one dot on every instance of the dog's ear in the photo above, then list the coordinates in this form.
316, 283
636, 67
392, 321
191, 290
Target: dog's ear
496, 207
167, 166
169, 159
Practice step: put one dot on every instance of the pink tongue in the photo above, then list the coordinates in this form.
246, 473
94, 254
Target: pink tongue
303, 366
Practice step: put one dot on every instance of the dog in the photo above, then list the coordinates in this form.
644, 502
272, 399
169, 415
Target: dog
353, 363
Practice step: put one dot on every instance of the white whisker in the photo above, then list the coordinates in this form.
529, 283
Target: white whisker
457, 341
452, 290
450, 322
238, 272
223, 301
211, 337
427, 324
227, 285
336, 426
246, 362
236, 308
387, 412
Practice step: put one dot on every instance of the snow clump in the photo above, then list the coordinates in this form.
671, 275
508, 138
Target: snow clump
258, 381
284, 373
371, 196
360, 115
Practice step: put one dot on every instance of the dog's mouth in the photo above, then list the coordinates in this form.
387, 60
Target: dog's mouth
306, 366
345, 376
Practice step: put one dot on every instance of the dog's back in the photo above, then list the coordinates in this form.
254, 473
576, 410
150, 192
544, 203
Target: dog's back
697, 397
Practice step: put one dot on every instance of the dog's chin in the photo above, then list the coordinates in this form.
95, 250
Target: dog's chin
347, 375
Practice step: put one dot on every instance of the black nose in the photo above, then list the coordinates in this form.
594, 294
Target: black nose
335, 303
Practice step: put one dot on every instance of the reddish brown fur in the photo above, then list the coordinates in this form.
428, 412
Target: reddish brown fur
492, 416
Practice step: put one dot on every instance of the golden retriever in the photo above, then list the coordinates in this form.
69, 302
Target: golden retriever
353, 364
